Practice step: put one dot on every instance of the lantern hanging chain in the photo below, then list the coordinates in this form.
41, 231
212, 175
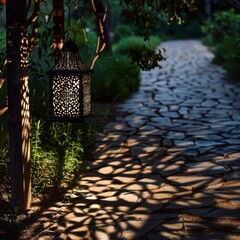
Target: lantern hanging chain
68, 25
78, 8
101, 42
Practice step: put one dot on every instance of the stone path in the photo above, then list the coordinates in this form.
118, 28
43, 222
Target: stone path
168, 167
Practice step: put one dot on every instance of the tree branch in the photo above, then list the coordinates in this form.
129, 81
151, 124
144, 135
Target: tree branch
101, 41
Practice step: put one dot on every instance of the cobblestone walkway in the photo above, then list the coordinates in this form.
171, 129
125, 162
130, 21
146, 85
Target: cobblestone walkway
168, 167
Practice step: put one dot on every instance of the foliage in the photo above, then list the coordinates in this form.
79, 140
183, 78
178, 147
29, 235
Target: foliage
122, 31
43, 163
85, 37
208, 41
145, 58
124, 45
224, 23
142, 53
188, 30
146, 16
58, 152
115, 78
228, 53
224, 38
145, 13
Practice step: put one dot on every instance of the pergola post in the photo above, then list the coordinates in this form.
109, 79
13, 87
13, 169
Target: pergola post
18, 102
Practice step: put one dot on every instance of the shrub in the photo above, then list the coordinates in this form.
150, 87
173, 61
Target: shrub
115, 78
224, 23
122, 32
224, 38
43, 163
124, 45
208, 41
230, 49
58, 153
141, 53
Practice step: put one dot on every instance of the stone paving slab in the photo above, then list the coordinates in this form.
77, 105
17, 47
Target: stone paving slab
168, 167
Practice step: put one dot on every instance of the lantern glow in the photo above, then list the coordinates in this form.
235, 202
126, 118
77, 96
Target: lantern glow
70, 86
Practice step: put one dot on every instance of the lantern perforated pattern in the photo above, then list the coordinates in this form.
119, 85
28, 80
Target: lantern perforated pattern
70, 86
66, 96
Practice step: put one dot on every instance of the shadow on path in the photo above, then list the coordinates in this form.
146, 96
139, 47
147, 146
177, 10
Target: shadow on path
168, 167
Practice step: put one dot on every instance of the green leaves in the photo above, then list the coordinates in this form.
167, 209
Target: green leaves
115, 78
141, 52
146, 58
146, 14
224, 23
223, 31
58, 151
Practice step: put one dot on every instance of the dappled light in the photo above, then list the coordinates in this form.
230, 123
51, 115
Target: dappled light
25, 125
167, 167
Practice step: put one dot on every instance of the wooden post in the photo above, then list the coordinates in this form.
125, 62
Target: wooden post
18, 102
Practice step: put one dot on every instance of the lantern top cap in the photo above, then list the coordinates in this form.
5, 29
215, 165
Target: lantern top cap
70, 61
70, 46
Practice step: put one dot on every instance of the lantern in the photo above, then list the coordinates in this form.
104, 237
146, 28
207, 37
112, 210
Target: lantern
70, 86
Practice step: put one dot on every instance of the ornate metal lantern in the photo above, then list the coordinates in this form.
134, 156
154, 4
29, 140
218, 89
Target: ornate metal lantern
70, 86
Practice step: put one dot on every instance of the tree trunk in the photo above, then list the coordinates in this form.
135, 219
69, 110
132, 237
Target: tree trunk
18, 102
107, 36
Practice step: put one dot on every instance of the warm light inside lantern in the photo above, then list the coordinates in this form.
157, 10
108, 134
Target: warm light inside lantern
70, 86
66, 99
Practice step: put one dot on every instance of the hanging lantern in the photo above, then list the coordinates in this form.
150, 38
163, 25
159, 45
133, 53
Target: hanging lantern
70, 86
